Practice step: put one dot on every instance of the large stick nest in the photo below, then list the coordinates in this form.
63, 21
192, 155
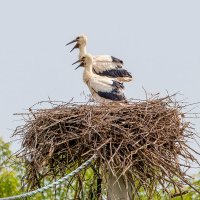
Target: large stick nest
145, 139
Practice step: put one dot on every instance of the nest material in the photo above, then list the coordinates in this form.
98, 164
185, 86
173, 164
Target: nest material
145, 139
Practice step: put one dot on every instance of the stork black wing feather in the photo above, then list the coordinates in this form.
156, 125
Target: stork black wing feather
118, 85
115, 73
116, 60
114, 95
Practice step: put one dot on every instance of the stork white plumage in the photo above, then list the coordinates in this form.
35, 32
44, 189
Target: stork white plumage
103, 65
103, 89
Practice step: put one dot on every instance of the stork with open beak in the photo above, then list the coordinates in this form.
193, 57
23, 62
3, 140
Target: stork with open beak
102, 88
103, 65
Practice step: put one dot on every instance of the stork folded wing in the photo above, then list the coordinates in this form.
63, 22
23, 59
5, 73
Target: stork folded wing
106, 62
114, 95
115, 73
108, 89
110, 66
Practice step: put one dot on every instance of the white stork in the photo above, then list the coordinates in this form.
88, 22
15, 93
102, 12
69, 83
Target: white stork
103, 65
102, 88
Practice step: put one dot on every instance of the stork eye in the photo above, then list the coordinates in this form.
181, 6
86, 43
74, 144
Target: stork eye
78, 38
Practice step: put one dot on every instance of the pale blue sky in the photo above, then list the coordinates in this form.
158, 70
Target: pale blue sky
159, 42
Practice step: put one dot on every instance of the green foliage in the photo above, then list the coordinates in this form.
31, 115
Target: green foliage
4, 152
9, 181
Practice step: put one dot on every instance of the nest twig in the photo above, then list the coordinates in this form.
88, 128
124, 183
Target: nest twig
147, 140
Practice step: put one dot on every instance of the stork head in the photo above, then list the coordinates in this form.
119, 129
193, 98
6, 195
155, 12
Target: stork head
85, 61
81, 41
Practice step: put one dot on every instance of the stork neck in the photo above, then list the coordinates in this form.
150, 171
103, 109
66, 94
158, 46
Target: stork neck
87, 74
88, 69
82, 52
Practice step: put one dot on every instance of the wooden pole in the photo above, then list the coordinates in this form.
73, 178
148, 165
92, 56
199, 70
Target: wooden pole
118, 187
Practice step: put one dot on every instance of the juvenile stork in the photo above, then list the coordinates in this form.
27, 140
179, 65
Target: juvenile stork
103, 65
102, 88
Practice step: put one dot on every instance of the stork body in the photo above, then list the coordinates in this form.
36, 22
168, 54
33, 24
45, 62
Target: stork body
103, 89
103, 65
